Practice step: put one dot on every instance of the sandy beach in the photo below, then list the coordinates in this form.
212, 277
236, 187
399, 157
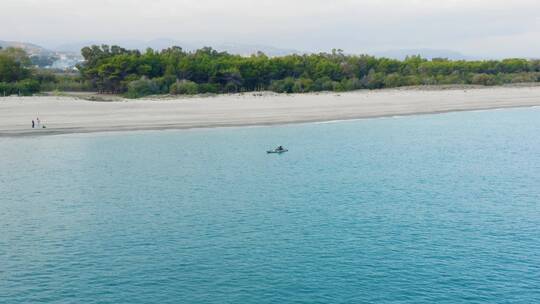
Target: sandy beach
63, 115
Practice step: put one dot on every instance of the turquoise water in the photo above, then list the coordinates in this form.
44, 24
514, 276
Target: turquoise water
420, 209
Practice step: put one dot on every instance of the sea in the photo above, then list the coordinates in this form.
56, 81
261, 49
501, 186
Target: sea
440, 208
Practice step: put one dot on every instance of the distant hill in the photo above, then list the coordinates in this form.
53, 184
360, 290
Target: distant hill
159, 44
425, 53
30, 48
46, 58
249, 49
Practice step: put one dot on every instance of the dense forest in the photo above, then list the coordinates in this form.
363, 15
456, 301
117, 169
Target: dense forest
115, 70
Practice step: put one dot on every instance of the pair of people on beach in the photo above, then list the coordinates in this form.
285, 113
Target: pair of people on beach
36, 123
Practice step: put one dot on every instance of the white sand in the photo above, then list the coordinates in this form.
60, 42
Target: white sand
71, 115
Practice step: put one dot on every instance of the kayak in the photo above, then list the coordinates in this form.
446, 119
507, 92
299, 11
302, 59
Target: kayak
277, 151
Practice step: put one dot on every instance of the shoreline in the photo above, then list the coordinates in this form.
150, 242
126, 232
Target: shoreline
67, 115
114, 129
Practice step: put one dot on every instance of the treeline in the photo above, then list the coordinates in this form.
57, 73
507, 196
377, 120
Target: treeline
112, 69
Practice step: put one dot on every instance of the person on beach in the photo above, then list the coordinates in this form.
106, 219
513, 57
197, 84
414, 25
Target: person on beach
33, 124
38, 122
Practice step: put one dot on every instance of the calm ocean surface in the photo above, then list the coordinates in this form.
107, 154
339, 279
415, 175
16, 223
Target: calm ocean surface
419, 209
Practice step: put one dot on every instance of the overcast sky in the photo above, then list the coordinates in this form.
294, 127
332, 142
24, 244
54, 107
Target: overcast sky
474, 27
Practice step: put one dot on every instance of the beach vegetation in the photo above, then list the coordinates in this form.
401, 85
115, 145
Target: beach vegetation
134, 73
14, 65
184, 87
142, 87
24, 87
62, 82
16, 73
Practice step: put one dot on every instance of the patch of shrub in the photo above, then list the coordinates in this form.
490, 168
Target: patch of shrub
184, 87
25, 87
208, 88
283, 85
484, 79
142, 87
